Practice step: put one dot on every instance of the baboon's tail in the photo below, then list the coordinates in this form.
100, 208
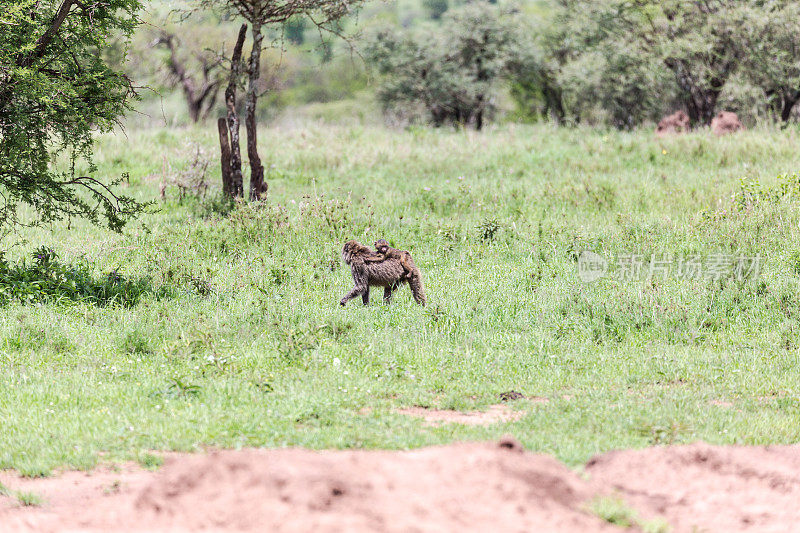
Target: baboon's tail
417, 289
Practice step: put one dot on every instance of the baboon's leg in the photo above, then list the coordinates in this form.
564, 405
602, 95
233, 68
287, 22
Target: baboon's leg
361, 286
350, 295
408, 272
387, 293
417, 289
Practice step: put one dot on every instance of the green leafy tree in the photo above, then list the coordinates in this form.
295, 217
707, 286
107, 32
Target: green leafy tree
450, 76
538, 51
55, 91
773, 58
611, 84
700, 42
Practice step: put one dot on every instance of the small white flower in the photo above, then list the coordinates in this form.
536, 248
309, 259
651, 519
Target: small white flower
336, 361
427, 188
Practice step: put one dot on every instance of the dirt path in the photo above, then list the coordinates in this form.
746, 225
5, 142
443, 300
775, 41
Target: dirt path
467, 486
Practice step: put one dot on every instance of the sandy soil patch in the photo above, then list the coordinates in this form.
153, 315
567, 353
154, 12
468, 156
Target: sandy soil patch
493, 415
721, 403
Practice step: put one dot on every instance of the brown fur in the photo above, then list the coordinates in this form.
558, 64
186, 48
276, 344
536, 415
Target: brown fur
387, 273
387, 252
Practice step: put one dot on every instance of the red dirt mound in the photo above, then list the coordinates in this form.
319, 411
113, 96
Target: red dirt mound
467, 487
678, 122
708, 488
725, 122
475, 487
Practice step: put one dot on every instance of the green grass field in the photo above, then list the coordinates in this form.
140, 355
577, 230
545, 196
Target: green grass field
234, 336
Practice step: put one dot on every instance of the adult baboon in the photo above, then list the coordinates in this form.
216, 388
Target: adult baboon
388, 274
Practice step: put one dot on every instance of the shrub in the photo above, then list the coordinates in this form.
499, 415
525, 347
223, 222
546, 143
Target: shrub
47, 279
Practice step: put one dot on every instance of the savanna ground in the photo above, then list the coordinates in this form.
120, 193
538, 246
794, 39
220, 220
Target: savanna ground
222, 328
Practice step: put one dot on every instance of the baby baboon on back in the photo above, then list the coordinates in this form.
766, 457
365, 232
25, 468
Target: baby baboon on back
386, 272
387, 252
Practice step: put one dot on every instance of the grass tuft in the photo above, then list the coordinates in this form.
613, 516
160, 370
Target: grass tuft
615, 511
29, 499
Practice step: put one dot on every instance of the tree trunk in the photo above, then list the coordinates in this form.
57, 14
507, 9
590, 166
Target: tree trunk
701, 103
194, 110
553, 106
237, 181
257, 185
225, 158
788, 102
196, 97
212, 102
701, 106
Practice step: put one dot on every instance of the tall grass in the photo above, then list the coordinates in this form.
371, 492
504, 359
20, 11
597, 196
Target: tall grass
239, 340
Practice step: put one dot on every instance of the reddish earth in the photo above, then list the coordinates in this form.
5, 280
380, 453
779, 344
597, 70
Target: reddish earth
725, 122
678, 122
710, 488
467, 486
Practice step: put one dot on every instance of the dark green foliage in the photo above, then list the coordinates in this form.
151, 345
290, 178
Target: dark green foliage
772, 62
539, 48
294, 30
55, 91
450, 76
634, 61
534, 84
436, 8
487, 230
47, 279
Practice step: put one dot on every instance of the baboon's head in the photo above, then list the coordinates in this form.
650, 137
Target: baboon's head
382, 245
352, 249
